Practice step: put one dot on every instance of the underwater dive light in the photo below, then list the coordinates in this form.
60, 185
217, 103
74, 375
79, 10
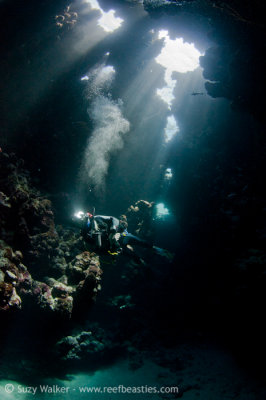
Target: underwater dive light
79, 214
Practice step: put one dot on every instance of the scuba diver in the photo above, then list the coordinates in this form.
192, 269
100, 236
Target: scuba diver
101, 230
110, 234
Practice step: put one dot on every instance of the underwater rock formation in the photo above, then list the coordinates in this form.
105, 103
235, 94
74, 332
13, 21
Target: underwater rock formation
24, 210
242, 11
14, 278
85, 273
166, 6
56, 297
84, 345
57, 273
234, 67
237, 73
17, 285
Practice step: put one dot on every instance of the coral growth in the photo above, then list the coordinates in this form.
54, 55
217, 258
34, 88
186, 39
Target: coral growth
84, 345
56, 273
88, 265
14, 277
17, 285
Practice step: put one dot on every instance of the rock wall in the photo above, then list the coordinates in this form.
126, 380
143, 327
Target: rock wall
56, 272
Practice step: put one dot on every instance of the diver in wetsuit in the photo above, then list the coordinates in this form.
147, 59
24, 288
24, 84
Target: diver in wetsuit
111, 233
102, 230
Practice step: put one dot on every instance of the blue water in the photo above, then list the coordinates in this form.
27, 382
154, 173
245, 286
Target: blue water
76, 386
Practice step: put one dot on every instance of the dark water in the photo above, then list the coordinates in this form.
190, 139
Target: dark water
161, 101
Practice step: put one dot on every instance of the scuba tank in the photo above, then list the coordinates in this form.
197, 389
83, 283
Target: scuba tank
95, 233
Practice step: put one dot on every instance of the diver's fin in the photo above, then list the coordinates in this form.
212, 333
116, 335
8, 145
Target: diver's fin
138, 262
115, 253
163, 253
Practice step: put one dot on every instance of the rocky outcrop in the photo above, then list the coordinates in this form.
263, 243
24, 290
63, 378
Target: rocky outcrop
84, 345
236, 72
56, 273
233, 67
17, 285
237, 10
14, 278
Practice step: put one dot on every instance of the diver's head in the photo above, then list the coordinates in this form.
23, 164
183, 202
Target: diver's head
122, 223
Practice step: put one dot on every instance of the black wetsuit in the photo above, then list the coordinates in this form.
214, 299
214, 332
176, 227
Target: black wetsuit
104, 225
